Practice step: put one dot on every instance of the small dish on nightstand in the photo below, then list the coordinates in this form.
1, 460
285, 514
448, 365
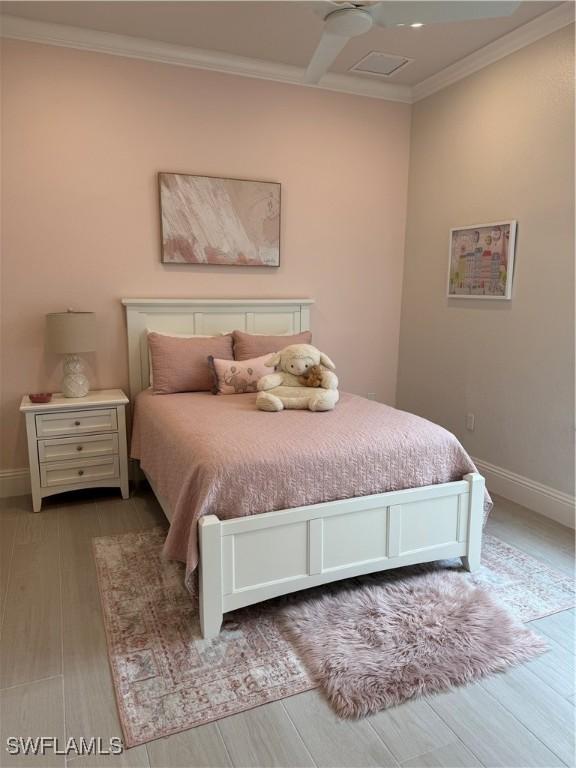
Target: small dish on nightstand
41, 397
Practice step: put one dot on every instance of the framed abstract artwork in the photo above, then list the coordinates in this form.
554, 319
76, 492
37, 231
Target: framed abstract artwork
481, 261
208, 220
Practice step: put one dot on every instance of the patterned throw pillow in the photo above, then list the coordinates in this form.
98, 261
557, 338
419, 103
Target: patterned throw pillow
236, 377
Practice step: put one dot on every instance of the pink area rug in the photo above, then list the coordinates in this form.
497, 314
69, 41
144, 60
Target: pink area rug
167, 679
379, 645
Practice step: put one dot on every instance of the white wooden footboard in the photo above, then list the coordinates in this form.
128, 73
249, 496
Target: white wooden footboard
250, 559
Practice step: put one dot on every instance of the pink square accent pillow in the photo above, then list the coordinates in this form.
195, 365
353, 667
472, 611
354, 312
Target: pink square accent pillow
181, 365
235, 377
250, 345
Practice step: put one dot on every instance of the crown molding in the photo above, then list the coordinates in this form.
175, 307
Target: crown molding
167, 53
528, 33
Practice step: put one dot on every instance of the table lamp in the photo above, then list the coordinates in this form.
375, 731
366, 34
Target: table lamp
68, 333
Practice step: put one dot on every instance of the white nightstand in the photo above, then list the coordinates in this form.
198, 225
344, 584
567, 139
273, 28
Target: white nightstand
77, 443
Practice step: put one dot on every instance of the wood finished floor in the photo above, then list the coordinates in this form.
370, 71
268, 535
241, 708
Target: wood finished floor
55, 678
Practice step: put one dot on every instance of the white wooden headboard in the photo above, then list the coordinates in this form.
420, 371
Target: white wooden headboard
205, 316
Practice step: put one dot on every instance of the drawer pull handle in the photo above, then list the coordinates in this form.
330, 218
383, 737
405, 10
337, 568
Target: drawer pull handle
76, 423
80, 472
78, 447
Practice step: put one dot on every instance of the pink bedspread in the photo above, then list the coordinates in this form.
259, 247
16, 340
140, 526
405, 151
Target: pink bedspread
218, 455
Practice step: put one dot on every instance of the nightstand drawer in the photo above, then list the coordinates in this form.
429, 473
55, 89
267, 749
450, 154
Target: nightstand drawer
79, 471
77, 447
76, 422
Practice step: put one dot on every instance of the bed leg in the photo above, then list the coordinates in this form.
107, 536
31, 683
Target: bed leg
471, 560
470, 563
210, 576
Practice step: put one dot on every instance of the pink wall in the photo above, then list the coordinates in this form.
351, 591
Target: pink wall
83, 137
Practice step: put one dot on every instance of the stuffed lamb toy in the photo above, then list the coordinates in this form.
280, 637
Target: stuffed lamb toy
295, 385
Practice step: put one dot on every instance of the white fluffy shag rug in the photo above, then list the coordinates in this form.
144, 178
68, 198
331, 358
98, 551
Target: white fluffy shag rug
379, 646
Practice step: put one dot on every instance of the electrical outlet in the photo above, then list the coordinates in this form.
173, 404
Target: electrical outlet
470, 420
371, 395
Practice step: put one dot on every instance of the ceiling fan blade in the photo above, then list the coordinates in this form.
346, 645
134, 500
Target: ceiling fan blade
337, 5
393, 12
328, 49
339, 26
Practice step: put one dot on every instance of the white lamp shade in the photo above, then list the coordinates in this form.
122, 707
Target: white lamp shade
71, 332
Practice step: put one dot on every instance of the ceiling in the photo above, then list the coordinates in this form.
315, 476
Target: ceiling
278, 31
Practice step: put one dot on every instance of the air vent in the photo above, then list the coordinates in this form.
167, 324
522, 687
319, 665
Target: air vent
380, 64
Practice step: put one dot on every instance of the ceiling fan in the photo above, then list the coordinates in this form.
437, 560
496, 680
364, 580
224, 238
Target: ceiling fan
351, 19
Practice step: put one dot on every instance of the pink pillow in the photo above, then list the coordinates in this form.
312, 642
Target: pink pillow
250, 345
181, 365
236, 377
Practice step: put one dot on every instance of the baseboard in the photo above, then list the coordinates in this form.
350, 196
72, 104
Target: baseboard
540, 498
14, 482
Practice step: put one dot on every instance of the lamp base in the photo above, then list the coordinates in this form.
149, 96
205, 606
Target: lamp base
74, 383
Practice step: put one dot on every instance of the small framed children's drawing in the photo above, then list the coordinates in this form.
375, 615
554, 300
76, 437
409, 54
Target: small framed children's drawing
481, 262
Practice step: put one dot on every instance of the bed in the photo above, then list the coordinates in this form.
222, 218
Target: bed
262, 504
